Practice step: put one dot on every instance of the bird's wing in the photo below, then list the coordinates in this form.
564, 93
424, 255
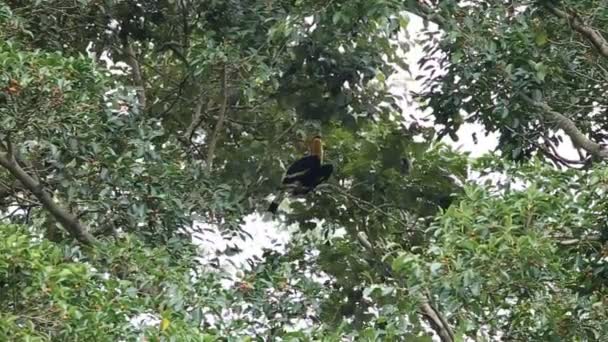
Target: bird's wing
301, 167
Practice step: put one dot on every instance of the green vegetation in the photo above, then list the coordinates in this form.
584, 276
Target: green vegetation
125, 127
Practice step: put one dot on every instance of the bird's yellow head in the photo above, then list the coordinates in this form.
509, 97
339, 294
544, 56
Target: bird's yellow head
316, 147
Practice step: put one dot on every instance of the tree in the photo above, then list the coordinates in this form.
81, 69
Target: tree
122, 153
191, 122
522, 264
523, 69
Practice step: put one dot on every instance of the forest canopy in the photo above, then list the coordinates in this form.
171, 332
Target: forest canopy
130, 131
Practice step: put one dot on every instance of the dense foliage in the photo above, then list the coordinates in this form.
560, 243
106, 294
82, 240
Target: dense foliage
126, 127
516, 67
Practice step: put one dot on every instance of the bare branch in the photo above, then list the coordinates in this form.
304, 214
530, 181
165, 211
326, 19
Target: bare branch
365, 205
197, 119
9, 192
215, 137
66, 219
572, 241
565, 161
9, 145
437, 321
591, 34
578, 138
137, 75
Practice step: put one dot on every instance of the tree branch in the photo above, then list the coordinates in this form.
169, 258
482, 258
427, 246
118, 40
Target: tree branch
437, 321
10, 190
66, 219
578, 138
557, 157
215, 137
197, 119
591, 34
137, 75
358, 201
572, 241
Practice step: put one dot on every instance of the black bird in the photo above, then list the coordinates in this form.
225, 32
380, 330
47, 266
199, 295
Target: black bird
304, 174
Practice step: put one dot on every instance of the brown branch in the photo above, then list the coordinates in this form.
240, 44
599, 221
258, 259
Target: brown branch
197, 119
215, 137
282, 135
437, 321
137, 75
578, 138
591, 34
7, 190
553, 151
66, 219
572, 241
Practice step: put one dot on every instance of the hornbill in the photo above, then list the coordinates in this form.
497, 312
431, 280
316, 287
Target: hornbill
304, 174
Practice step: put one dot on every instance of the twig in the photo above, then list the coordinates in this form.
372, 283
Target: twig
280, 136
555, 153
369, 204
9, 215
176, 97
215, 137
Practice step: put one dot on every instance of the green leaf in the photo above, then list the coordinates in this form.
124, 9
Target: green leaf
541, 38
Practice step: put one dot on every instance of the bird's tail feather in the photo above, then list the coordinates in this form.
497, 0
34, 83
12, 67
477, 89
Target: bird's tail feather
275, 203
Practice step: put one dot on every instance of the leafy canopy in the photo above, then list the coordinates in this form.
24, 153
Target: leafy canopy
202, 107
